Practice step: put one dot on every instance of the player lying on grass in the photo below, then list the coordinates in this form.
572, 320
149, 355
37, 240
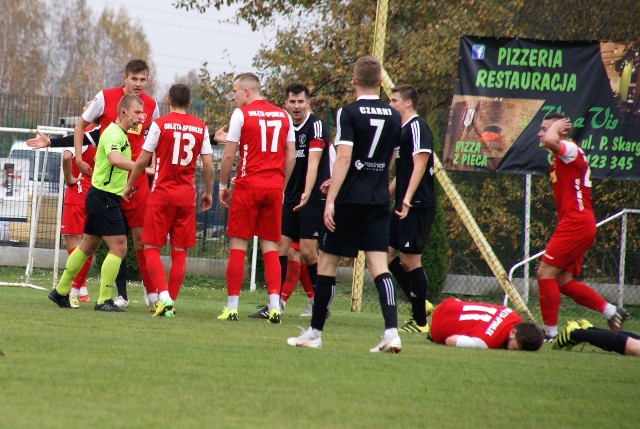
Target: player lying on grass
483, 326
582, 331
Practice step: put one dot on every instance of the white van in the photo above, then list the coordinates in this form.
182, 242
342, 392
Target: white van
20, 150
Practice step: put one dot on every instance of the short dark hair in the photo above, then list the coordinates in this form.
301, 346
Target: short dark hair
529, 336
136, 66
180, 95
407, 92
297, 88
368, 72
126, 101
555, 115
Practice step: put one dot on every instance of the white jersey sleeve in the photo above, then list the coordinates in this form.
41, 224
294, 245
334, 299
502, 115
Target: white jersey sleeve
472, 342
570, 151
151, 141
95, 109
291, 135
206, 143
235, 126
156, 113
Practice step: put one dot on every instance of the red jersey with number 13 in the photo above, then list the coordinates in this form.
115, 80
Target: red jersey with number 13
571, 178
177, 140
262, 130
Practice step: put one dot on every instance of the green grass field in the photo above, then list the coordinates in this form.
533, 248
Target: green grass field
63, 368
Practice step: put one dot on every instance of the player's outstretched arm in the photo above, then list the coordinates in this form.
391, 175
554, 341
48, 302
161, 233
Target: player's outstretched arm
465, 341
39, 141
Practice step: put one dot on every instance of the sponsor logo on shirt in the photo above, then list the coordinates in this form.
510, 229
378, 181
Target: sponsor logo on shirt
369, 166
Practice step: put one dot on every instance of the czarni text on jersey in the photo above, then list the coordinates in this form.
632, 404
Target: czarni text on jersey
183, 127
366, 110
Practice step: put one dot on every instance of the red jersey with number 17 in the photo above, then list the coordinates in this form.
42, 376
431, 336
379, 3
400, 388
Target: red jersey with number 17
262, 130
177, 140
571, 178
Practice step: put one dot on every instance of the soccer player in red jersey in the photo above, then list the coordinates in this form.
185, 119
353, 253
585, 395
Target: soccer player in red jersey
177, 139
482, 326
264, 134
303, 201
575, 233
103, 107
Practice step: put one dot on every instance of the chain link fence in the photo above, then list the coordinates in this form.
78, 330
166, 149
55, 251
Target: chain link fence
29, 112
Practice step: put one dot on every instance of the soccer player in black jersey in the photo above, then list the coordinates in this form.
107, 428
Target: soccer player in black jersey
414, 206
302, 212
356, 215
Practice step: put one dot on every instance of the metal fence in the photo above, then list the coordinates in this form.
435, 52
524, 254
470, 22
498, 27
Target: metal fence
496, 201
18, 164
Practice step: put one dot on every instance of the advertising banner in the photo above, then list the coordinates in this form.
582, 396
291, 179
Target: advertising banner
506, 86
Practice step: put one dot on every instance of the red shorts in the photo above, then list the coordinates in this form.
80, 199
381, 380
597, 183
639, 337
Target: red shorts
73, 218
568, 245
135, 208
255, 211
179, 222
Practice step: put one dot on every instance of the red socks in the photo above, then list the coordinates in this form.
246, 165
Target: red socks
584, 295
177, 271
306, 282
144, 272
272, 272
155, 269
293, 273
235, 271
549, 301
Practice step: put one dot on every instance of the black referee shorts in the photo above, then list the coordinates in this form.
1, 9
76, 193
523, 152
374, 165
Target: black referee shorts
409, 235
358, 227
104, 216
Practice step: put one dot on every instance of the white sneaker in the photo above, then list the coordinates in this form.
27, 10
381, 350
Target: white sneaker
306, 339
309, 310
121, 302
388, 345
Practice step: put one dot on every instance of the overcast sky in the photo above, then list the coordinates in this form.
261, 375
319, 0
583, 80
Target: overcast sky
181, 41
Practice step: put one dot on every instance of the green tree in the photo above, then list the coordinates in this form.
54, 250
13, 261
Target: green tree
22, 66
421, 48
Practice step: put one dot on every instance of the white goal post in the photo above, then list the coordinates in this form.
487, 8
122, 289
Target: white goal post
37, 192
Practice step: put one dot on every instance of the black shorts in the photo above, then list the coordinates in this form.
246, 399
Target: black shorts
358, 227
104, 216
305, 223
409, 235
